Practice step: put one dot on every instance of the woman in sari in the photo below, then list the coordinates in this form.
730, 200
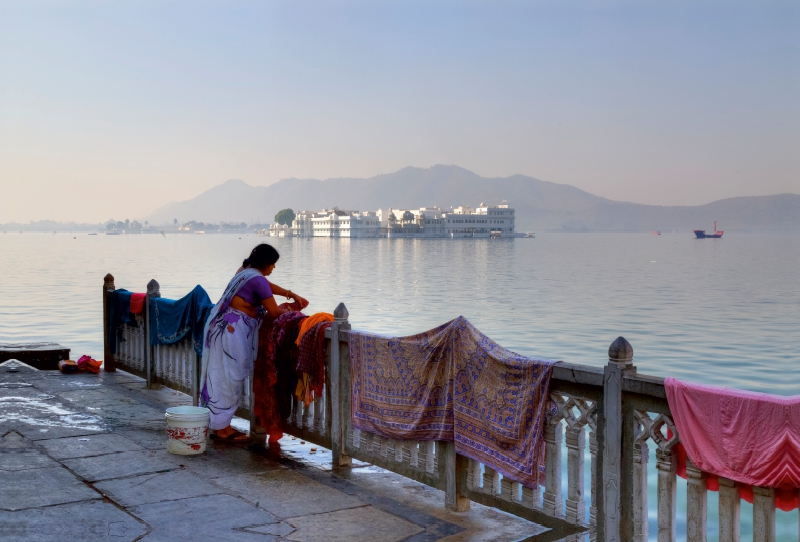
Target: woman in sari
231, 337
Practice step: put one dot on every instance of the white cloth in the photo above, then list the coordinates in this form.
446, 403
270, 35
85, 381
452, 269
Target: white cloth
233, 346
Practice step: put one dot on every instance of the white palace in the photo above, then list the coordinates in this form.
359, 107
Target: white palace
483, 221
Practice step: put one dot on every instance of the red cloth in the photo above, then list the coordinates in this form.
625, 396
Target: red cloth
137, 303
274, 379
311, 357
86, 363
751, 438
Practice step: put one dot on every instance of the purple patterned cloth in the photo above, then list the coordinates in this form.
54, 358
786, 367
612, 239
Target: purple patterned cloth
454, 384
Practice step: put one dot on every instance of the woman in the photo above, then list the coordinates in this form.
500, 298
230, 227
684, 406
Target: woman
232, 337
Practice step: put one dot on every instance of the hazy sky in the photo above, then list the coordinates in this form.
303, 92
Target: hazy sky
112, 108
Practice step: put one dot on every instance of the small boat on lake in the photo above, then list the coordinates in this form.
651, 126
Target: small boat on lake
656, 232
701, 234
530, 235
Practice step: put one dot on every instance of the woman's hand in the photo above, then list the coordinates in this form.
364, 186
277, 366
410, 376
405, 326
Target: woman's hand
300, 300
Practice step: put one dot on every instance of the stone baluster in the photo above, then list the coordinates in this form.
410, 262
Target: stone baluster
398, 451
297, 418
507, 489
108, 357
763, 514
308, 416
356, 436
187, 357
340, 388
553, 501
575, 439
593, 484
456, 471
640, 522
384, 448
368, 441
532, 498
474, 475
319, 413
173, 367
516, 492
620, 363
121, 337
491, 480
414, 453
247, 399
696, 504
196, 373
430, 458
667, 491
140, 355
729, 511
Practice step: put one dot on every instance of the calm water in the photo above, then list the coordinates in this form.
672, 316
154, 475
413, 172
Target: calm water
721, 311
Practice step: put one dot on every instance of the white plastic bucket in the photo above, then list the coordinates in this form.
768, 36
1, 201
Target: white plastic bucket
187, 429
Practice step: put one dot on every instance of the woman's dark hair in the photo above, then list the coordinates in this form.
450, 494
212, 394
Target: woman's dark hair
261, 256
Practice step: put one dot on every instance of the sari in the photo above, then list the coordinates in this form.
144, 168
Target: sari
231, 346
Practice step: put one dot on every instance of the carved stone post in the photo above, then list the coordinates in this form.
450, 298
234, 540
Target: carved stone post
456, 471
640, 523
729, 511
763, 514
108, 358
552, 501
340, 388
153, 291
620, 362
575, 439
667, 510
593, 485
696, 504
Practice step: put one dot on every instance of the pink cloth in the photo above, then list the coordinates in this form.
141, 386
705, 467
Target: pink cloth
752, 438
137, 303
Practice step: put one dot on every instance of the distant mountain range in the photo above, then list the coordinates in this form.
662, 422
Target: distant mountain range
541, 205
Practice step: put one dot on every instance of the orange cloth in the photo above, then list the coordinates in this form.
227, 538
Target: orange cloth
311, 321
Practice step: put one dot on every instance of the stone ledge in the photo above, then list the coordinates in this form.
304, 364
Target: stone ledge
42, 356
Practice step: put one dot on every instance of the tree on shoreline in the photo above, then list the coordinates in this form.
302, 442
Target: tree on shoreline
285, 217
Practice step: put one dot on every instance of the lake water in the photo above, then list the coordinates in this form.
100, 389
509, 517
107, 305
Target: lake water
720, 311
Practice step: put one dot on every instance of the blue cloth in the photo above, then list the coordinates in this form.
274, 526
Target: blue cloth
120, 313
172, 319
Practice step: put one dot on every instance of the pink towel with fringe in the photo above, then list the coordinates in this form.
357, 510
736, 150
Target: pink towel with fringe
748, 437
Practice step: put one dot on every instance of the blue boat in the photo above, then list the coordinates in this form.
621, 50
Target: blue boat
701, 234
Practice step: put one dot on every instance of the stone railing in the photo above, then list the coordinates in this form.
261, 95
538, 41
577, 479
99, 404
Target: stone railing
599, 432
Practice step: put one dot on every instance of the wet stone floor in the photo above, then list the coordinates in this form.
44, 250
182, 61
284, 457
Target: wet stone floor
83, 457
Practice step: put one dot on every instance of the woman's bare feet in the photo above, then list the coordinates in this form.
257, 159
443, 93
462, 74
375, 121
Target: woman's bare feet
229, 433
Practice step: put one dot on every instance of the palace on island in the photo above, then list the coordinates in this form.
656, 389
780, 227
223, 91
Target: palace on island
483, 221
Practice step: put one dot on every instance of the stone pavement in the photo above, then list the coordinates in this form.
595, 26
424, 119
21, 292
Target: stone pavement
83, 457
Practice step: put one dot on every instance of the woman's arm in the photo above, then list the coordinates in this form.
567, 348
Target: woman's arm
272, 307
278, 290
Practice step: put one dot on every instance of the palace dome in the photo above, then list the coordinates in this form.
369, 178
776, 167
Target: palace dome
408, 215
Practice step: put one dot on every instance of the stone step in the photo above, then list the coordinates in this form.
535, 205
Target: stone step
42, 356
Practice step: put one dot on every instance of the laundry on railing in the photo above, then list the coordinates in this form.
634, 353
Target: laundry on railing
751, 438
172, 319
274, 377
119, 313
455, 384
312, 321
311, 360
137, 303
